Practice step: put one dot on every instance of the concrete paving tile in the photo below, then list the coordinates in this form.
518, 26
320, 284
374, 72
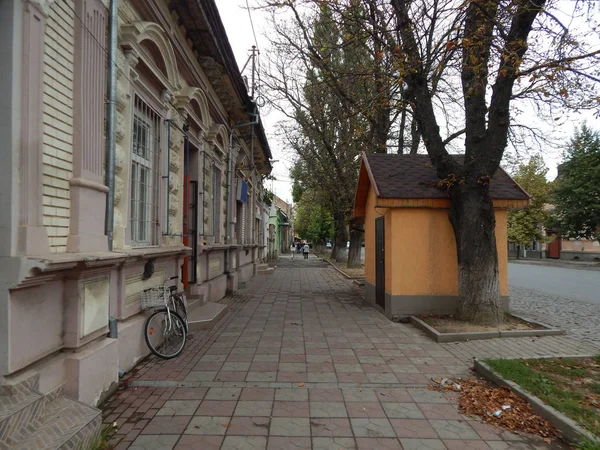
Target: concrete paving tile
385, 378
342, 367
453, 429
290, 359
235, 366
248, 426
378, 444
403, 368
230, 376
331, 427
244, 443
403, 411
359, 395
167, 425
352, 377
325, 395
422, 444
216, 408
372, 428
195, 442
178, 408
261, 376
292, 367
242, 357
413, 428
291, 394
290, 409
461, 444
189, 394
289, 426
328, 409
226, 393
253, 408
425, 396
365, 410
253, 393
265, 358
294, 377
439, 411
201, 376
154, 442
329, 443
208, 366
212, 425
287, 443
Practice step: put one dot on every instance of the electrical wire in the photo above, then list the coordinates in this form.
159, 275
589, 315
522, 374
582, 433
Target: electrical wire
251, 24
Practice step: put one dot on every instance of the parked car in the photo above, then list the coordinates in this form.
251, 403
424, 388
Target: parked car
328, 246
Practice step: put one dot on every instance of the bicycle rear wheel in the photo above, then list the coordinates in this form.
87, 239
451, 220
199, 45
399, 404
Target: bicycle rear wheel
165, 334
181, 309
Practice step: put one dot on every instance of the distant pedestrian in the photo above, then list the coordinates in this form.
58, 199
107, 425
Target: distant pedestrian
292, 250
305, 251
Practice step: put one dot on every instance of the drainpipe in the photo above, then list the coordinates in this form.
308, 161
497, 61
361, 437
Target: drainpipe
230, 173
111, 112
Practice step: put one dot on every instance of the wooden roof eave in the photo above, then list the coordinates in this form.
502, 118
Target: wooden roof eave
443, 203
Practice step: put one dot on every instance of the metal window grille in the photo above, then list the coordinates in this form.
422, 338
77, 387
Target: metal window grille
217, 204
145, 157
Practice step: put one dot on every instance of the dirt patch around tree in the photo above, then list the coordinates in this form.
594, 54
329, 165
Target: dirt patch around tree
449, 324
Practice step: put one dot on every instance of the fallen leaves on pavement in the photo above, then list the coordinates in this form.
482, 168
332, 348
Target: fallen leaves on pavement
498, 406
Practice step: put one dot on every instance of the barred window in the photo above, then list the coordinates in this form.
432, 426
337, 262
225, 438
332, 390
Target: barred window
144, 175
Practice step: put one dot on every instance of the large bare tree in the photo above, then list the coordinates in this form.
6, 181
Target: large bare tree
495, 52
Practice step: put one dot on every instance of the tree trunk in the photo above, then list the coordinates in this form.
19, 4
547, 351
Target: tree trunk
473, 220
415, 136
341, 237
356, 237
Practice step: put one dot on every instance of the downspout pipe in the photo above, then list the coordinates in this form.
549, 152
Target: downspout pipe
111, 123
230, 173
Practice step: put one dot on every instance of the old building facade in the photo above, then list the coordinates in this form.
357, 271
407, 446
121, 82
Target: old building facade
190, 156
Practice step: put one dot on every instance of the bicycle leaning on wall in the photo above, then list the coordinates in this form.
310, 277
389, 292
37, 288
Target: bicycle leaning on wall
166, 329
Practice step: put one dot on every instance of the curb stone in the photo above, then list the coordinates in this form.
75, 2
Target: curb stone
570, 430
479, 335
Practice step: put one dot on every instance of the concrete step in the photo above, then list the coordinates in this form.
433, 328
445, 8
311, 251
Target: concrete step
204, 316
20, 414
194, 301
32, 421
66, 424
267, 271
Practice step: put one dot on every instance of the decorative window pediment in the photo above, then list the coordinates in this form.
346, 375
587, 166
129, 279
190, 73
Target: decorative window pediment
151, 43
193, 100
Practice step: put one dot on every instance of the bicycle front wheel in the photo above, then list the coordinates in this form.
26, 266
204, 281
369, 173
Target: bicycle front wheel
165, 334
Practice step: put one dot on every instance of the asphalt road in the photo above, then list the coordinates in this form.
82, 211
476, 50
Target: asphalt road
574, 284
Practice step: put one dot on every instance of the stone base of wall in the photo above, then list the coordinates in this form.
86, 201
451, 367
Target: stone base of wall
580, 256
412, 305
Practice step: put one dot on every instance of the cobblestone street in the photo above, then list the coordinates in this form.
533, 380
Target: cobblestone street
298, 363
580, 319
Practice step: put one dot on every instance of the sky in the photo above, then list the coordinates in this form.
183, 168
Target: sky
238, 25
239, 31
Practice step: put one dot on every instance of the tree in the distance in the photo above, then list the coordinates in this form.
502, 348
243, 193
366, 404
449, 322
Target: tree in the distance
527, 225
577, 192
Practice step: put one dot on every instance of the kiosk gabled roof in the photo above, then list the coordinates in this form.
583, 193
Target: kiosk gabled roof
396, 176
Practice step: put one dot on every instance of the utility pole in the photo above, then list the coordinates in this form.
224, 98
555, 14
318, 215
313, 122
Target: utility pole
253, 55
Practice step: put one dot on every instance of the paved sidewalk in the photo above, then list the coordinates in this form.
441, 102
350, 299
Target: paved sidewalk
301, 363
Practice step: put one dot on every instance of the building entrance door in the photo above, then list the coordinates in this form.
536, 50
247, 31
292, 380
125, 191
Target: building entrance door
380, 262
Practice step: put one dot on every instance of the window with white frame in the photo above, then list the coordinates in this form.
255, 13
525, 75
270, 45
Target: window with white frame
145, 155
